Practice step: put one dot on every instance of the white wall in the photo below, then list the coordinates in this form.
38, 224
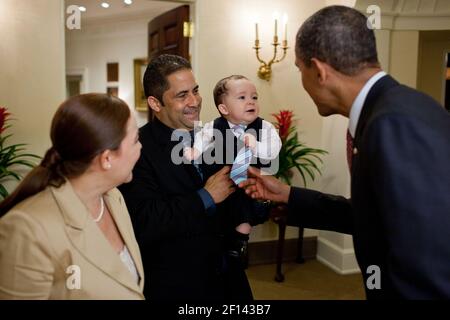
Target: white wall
32, 81
228, 26
335, 249
404, 56
225, 40
92, 47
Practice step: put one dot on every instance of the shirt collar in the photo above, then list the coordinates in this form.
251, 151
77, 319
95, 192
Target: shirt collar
232, 125
358, 104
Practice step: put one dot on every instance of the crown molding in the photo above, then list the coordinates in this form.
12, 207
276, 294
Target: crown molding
95, 21
410, 14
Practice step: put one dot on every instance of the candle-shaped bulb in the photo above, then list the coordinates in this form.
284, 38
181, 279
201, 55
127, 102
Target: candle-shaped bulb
255, 20
285, 20
276, 31
276, 16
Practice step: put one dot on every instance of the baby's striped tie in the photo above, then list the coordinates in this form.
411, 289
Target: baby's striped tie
242, 161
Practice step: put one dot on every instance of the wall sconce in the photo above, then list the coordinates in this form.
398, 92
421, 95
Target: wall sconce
265, 69
188, 29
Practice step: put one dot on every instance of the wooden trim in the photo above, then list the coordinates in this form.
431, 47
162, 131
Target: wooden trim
112, 72
265, 252
140, 101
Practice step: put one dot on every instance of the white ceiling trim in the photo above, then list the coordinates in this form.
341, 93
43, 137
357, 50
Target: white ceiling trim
145, 14
411, 14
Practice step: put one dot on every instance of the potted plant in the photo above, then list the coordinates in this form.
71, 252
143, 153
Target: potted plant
295, 154
11, 156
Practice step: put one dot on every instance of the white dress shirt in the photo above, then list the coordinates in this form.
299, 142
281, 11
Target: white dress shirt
267, 148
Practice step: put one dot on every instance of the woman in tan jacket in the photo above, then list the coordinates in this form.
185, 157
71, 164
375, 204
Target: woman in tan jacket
65, 232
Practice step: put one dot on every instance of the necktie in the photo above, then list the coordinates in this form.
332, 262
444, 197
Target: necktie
239, 131
189, 143
243, 158
349, 150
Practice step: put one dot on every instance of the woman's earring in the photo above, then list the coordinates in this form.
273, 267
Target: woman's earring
108, 166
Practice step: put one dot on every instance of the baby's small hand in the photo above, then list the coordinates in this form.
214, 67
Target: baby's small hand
250, 141
244, 228
191, 153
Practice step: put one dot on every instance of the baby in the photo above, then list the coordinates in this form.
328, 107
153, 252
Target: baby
237, 101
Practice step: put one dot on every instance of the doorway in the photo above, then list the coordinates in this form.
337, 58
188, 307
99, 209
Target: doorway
120, 35
76, 81
166, 35
433, 65
73, 85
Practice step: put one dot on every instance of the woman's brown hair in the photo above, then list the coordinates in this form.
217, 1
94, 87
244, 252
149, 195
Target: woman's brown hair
83, 127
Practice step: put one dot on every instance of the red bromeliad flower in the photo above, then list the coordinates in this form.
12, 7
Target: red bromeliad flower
284, 122
3, 117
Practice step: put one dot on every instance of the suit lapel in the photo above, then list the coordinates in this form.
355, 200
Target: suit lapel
163, 135
89, 240
375, 93
116, 209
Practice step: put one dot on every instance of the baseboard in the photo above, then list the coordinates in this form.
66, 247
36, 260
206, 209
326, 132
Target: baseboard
265, 252
342, 261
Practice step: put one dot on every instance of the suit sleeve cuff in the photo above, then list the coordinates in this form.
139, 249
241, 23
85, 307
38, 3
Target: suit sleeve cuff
208, 201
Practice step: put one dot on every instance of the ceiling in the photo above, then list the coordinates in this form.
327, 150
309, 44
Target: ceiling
120, 10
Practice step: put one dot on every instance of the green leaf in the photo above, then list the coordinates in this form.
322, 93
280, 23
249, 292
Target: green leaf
2, 139
310, 173
14, 147
14, 175
311, 163
299, 168
23, 163
3, 191
20, 157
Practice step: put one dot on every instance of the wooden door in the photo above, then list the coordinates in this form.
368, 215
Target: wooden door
165, 35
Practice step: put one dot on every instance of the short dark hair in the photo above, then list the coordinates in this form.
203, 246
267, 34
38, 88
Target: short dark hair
340, 37
221, 88
159, 68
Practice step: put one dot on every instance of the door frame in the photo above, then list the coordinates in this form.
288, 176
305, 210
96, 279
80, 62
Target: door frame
83, 72
193, 43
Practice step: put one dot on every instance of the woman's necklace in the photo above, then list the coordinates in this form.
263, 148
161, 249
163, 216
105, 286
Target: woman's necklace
102, 210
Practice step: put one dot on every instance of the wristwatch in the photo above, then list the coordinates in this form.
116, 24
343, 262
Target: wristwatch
265, 202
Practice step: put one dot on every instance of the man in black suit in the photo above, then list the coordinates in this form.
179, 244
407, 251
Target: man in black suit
399, 148
172, 207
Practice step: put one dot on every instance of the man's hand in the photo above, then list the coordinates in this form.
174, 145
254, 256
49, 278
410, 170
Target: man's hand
264, 187
220, 186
